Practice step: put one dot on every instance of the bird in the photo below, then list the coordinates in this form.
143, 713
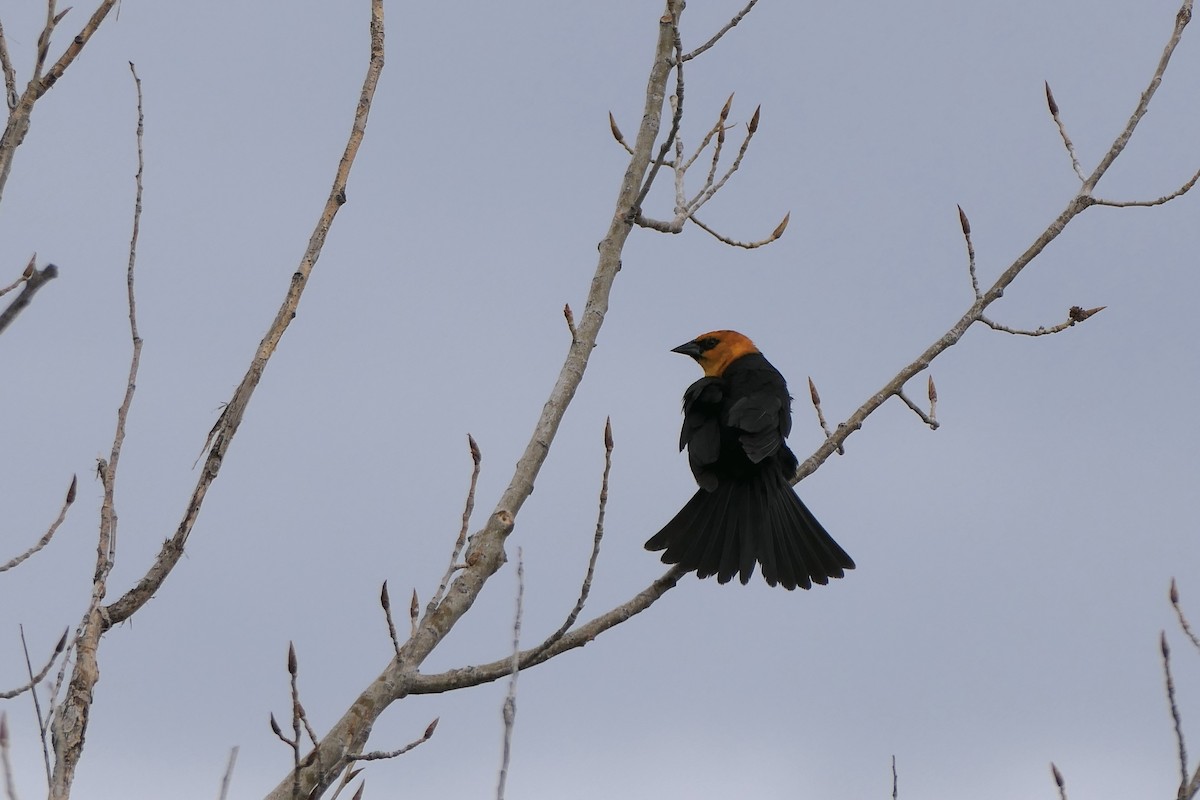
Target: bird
735, 420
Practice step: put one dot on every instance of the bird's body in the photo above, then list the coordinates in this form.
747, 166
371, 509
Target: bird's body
735, 420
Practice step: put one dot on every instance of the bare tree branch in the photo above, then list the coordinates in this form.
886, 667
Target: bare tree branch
717, 36
1077, 205
485, 552
226, 426
509, 712
460, 542
33, 282
20, 112
49, 534
1059, 782
586, 588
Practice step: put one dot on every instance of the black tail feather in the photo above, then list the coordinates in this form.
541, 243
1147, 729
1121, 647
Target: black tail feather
758, 520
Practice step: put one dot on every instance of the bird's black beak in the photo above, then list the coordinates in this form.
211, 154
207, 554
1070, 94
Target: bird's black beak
688, 349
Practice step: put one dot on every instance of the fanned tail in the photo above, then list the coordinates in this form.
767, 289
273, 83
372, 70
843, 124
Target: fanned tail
757, 520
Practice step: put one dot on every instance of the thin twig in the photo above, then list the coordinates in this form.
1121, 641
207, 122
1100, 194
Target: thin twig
510, 701
815, 396
33, 282
386, 602
37, 704
928, 420
717, 36
227, 778
775, 234
1075, 314
461, 541
42, 673
10, 786
1166, 198
1183, 623
1062, 130
486, 673
586, 587
49, 534
379, 755
1059, 782
25, 275
10, 75
895, 780
1175, 717
966, 230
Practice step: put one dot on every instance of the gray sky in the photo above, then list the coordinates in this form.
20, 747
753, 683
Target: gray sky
1013, 565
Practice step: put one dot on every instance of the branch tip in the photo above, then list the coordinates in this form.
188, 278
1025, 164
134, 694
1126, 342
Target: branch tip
1058, 778
384, 599
292, 665
962, 220
754, 120
812, 392
608, 437
1050, 100
1174, 593
782, 226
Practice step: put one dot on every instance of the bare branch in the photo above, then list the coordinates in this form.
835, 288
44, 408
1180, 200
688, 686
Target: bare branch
966, 229
1183, 623
49, 534
1166, 198
10, 787
928, 420
1059, 782
717, 36
1182, 18
42, 673
33, 282
10, 75
486, 673
26, 274
1178, 722
1074, 314
227, 425
227, 778
1062, 130
379, 755
816, 401
37, 704
461, 541
775, 234
386, 602
586, 588
510, 700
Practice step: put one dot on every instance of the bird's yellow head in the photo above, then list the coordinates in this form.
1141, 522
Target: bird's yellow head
716, 350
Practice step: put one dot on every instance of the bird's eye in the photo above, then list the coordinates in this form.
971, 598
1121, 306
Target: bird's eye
709, 343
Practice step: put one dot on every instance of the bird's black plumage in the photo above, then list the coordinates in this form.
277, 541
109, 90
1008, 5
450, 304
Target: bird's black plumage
735, 420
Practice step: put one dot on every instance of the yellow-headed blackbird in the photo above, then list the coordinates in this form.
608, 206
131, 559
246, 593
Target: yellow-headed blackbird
735, 419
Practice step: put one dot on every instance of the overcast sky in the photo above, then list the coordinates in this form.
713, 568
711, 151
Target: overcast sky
1013, 565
